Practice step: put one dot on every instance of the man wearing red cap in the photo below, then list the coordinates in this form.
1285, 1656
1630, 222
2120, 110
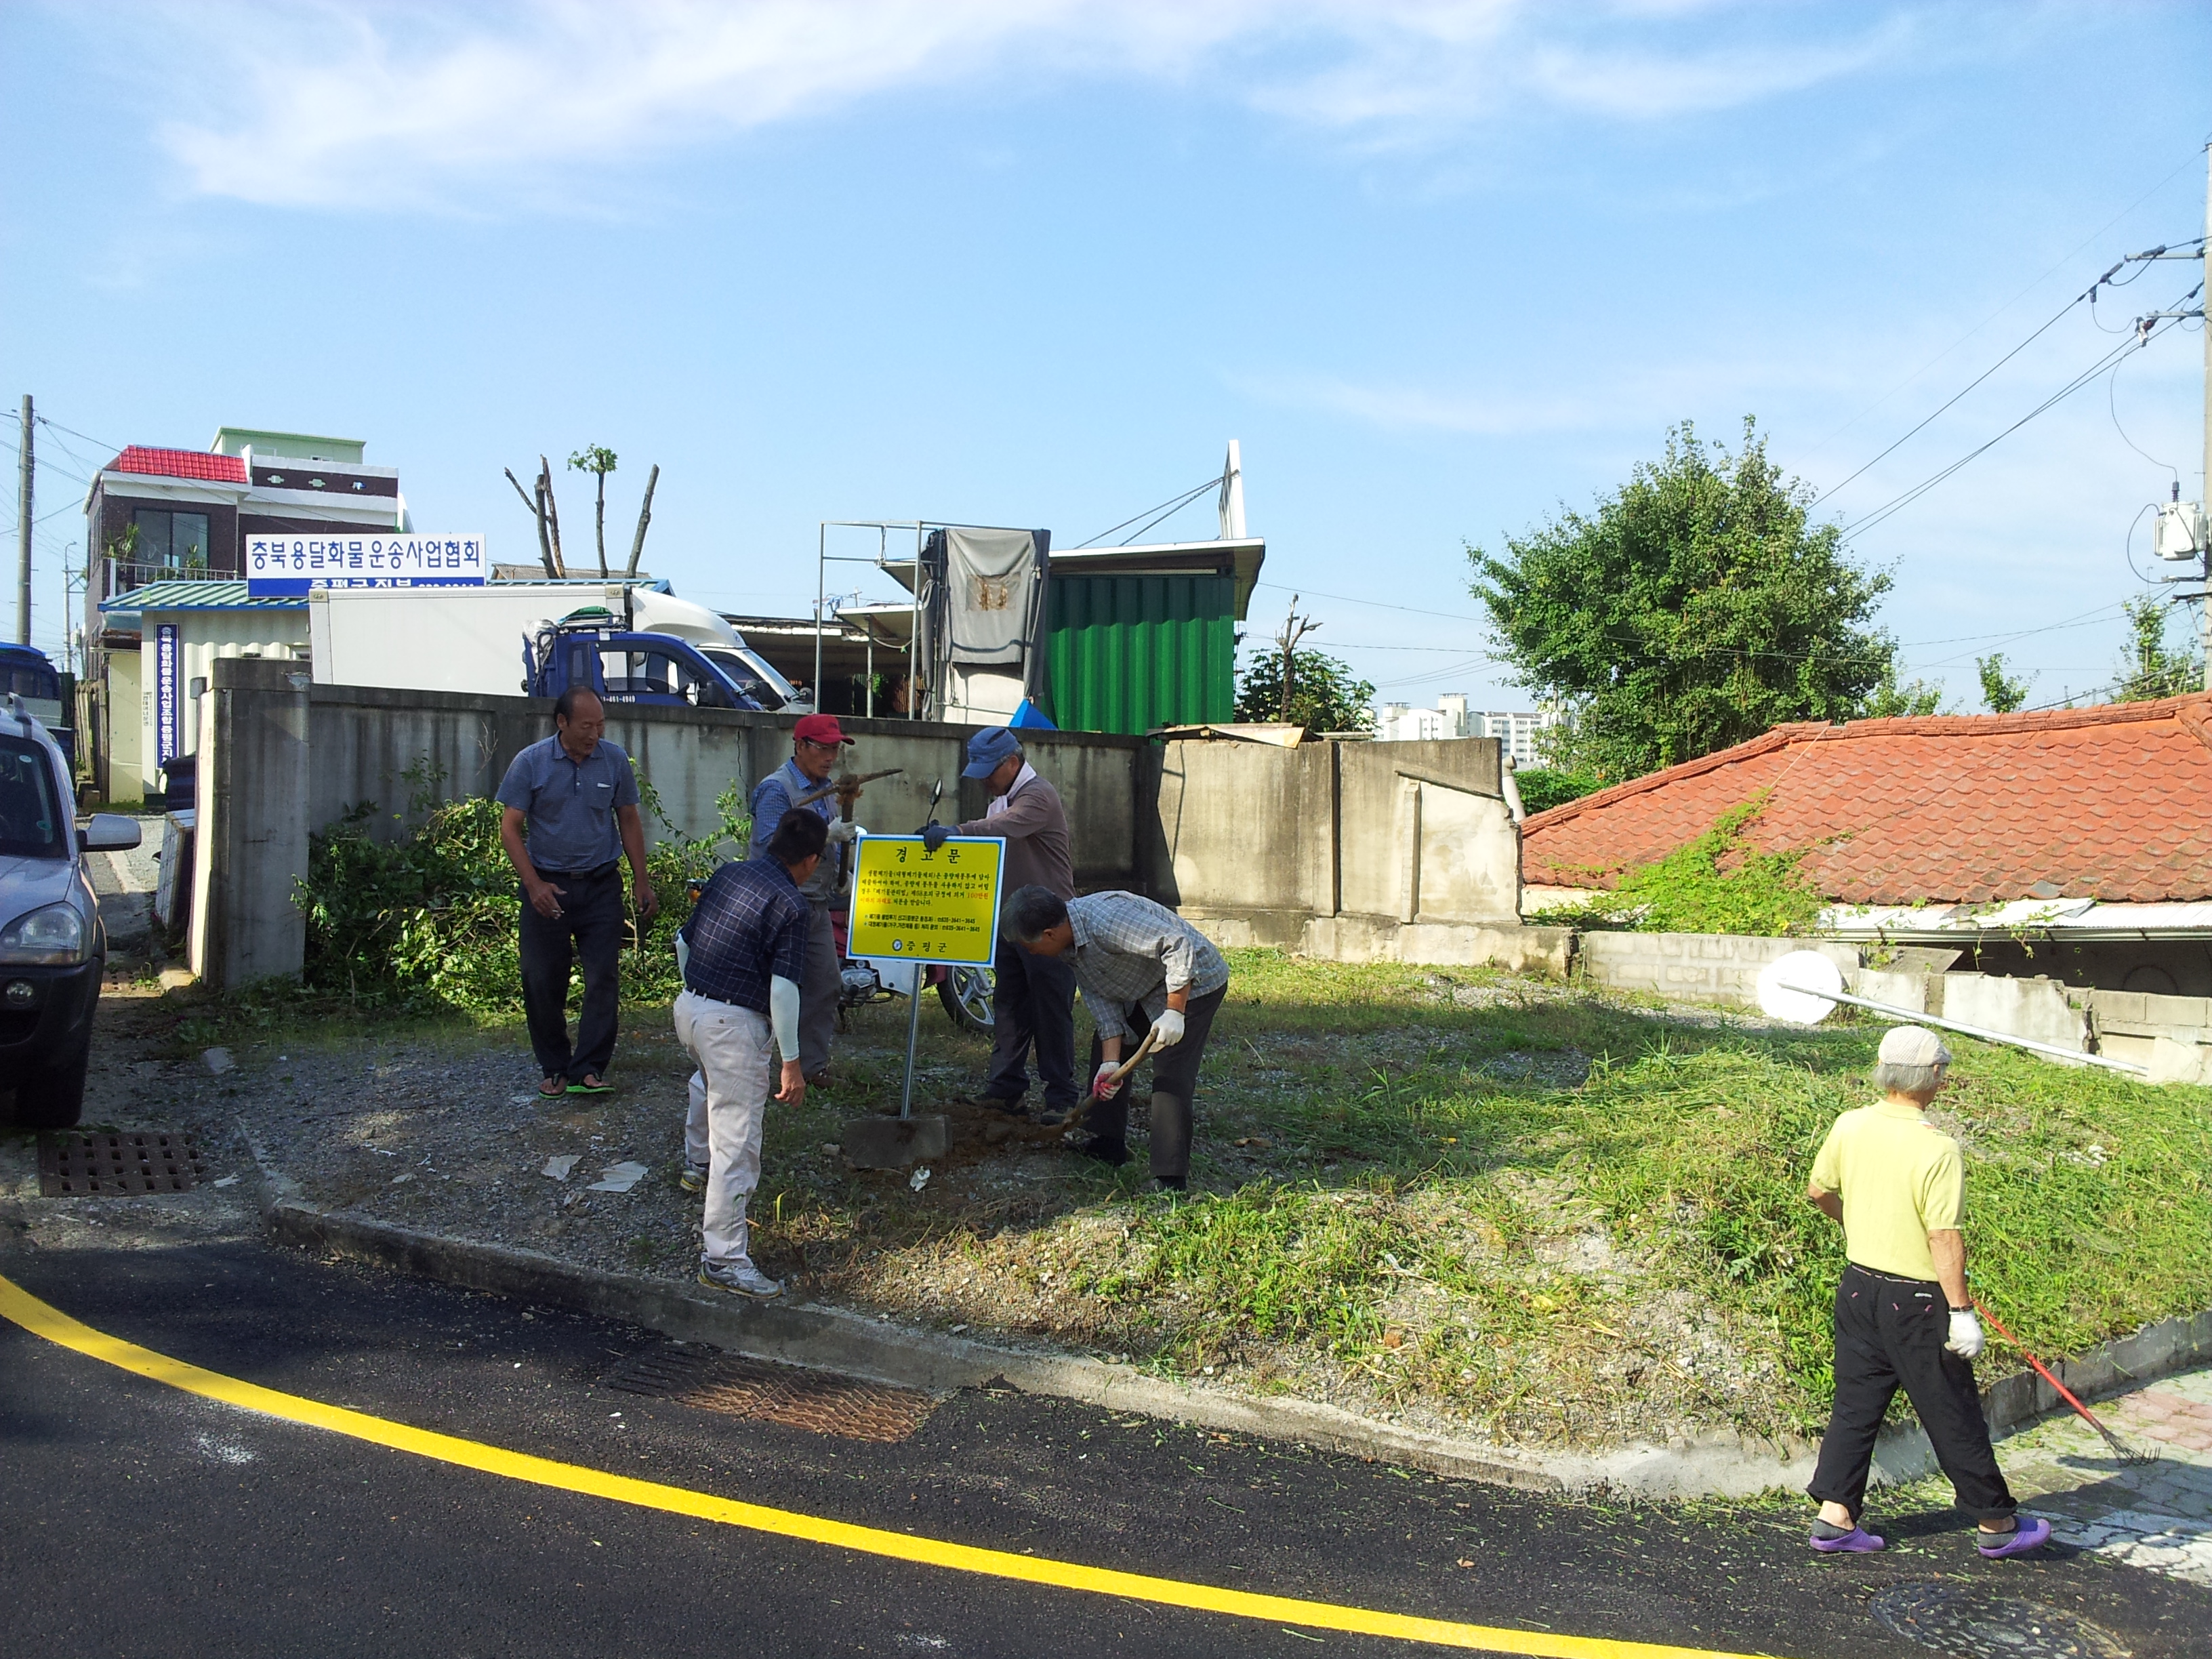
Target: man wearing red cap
816, 744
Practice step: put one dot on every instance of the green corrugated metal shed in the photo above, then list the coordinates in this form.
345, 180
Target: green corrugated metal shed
1141, 637
1129, 653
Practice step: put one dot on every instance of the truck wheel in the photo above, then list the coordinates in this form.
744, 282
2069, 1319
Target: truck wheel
966, 994
52, 1097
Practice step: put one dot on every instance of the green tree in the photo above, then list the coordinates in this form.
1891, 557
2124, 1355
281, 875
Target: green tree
599, 461
1888, 699
2001, 693
2148, 670
1324, 696
1694, 608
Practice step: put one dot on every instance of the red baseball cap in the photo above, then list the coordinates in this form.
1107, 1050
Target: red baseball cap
820, 728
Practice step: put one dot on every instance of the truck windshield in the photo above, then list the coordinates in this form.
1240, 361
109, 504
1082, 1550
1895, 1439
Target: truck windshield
747, 678
28, 679
31, 820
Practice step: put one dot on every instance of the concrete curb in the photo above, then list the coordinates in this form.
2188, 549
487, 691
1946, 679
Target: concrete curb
1718, 1464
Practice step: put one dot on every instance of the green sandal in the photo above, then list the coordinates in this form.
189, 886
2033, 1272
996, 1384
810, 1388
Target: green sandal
591, 1086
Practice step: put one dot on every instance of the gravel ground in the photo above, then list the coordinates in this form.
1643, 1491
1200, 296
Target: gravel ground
438, 1127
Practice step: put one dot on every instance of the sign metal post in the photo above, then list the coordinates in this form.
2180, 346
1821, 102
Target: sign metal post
916, 907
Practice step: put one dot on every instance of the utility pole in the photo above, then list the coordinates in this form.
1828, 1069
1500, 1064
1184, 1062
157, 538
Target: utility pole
23, 529
1295, 627
2204, 492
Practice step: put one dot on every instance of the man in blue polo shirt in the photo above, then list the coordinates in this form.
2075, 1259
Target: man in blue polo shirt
570, 817
746, 948
817, 741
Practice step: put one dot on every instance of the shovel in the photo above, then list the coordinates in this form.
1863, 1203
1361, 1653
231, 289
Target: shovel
1100, 1090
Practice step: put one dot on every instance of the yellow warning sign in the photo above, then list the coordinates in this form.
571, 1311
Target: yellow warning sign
910, 902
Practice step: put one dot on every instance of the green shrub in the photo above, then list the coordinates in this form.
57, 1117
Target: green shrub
1543, 787
1717, 884
430, 918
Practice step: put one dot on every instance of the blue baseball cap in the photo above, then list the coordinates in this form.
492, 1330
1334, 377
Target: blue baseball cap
986, 750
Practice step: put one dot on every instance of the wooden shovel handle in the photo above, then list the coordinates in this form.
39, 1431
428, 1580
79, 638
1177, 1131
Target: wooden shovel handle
1129, 1065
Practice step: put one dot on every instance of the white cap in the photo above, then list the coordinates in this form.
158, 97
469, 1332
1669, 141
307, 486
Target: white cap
1913, 1045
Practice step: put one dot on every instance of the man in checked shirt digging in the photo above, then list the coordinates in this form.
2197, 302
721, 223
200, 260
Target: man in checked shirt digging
1141, 967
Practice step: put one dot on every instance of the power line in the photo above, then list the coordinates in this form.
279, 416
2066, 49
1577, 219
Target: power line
2063, 260
1962, 392
1897, 503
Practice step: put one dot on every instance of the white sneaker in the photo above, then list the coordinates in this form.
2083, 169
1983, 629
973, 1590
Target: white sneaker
740, 1276
693, 1179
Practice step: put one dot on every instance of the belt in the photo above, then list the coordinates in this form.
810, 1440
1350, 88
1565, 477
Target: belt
1891, 1279
725, 1001
593, 874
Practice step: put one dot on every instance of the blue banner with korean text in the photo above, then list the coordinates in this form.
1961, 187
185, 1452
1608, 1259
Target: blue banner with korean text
279, 565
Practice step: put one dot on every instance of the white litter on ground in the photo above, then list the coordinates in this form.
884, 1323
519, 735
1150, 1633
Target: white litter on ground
559, 1165
920, 1179
619, 1178
218, 1061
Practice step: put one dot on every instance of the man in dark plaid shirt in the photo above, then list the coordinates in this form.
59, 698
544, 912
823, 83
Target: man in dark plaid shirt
744, 956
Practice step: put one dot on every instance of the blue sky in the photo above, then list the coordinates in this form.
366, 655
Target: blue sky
1440, 268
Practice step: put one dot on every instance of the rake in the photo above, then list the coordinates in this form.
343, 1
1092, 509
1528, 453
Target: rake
2121, 1450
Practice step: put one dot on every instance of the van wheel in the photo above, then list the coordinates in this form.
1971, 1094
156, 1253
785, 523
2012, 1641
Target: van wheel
52, 1096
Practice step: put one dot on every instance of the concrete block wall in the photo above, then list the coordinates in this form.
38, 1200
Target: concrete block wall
1334, 848
1364, 851
1718, 968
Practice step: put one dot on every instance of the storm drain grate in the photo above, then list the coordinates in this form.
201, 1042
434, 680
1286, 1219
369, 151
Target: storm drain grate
1973, 1624
118, 1165
816, 1401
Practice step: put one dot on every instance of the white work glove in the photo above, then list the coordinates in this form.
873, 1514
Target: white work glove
1167, 1029
845, 830
1965, 1334
1103, 1084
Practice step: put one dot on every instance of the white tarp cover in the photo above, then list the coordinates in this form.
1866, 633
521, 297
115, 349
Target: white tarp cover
994, 577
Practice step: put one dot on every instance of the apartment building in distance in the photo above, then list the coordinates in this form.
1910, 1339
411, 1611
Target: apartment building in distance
1398, 722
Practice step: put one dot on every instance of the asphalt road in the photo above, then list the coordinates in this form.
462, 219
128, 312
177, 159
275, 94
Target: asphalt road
135, 1519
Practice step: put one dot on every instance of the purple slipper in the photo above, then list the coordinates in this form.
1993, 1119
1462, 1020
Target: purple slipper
1857, 1542
2029, 1532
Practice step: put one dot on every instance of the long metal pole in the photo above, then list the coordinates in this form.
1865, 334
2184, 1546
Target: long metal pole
821, 591
913, 1030
23, 498
2204, 492
1985, 1035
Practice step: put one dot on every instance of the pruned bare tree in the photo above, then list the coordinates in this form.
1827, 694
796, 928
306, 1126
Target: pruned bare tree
644, 518
599, 461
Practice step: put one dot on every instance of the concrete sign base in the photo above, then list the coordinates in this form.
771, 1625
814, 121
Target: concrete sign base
892, 1143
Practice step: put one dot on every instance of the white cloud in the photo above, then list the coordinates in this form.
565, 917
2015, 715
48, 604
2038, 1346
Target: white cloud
341, 105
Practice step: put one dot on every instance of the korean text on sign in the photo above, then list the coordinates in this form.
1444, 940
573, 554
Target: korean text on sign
912, 904
299, 564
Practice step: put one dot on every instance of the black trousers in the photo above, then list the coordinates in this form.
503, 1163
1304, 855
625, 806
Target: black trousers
589, 930
1032, 1006
1175, 1073
1890, 1333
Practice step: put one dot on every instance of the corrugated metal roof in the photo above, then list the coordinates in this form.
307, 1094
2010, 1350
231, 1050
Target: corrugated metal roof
198, 596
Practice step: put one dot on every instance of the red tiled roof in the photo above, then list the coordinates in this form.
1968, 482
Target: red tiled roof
2114, 803
182, 463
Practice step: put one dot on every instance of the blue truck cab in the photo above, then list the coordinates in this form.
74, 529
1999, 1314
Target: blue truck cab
28, 673
589, 648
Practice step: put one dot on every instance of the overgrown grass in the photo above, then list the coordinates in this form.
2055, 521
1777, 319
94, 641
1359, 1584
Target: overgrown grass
1452, 1220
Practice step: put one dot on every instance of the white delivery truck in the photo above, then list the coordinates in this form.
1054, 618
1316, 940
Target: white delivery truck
632, 644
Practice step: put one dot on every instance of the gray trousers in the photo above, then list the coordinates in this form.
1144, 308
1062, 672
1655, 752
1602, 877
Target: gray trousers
817, 993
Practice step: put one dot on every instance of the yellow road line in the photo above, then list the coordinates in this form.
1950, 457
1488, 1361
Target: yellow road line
38, 1317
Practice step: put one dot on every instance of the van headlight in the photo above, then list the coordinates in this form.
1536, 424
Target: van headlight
55, 936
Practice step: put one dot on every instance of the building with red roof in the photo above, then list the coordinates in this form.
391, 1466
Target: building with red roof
2075, 842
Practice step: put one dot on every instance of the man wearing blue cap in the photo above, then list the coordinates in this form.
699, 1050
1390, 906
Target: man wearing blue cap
1033, 1001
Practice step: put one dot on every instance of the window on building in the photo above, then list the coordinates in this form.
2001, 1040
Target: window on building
176, 540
